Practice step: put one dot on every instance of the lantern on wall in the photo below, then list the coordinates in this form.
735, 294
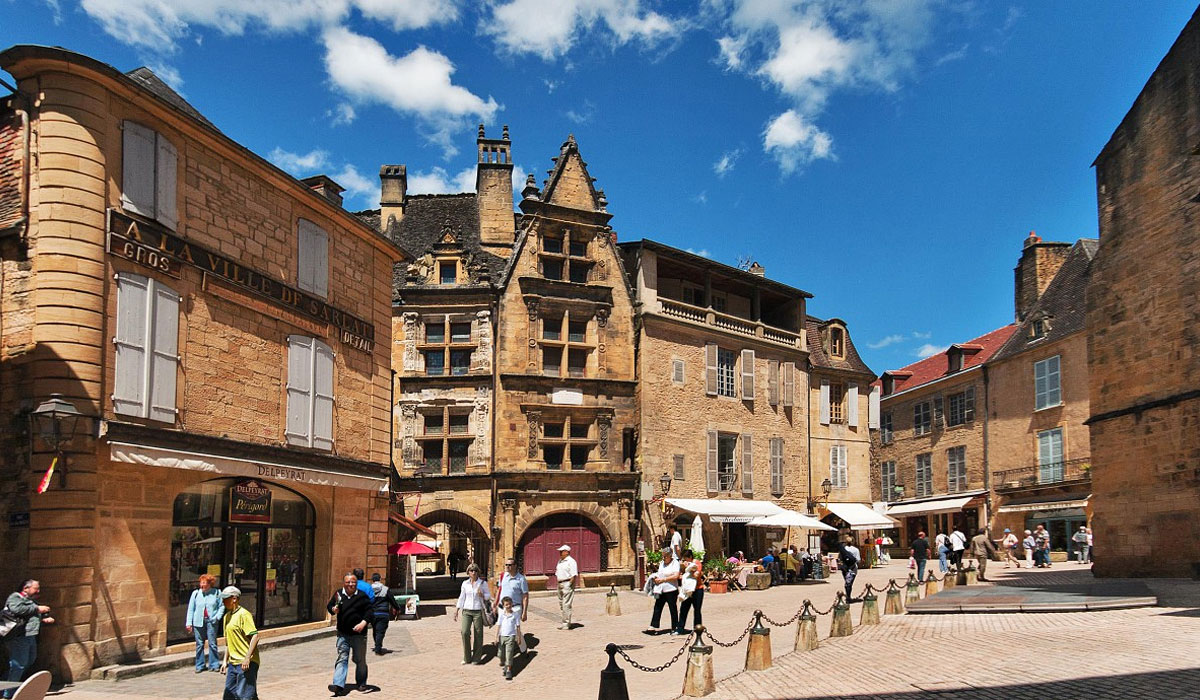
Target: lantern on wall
56, 427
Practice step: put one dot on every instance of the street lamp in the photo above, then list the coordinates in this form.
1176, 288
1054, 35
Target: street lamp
826, 488
58, 426
665, 482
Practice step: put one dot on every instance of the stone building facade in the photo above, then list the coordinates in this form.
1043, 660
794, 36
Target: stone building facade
1142, 306
177, 290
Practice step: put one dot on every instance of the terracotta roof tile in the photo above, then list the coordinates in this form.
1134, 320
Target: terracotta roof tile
937, 366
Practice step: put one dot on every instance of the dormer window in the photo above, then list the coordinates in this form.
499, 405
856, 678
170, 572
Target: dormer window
837, 342
564, 256
955, 360
448, 272
889, 385
1039, 328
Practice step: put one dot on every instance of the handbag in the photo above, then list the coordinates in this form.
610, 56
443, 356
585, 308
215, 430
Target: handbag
489, 617
9, 621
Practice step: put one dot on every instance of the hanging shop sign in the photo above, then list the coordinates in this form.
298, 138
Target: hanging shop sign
249, 502
152, 246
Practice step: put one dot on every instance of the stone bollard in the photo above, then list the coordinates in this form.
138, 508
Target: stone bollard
758, 651
913, 591
972, 575
893, 605
612, 603
806, 631
698, 680
612, 678
950, 580
870, 609
931, 585
841, 627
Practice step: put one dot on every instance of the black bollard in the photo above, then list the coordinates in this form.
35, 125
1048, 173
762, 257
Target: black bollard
612, 678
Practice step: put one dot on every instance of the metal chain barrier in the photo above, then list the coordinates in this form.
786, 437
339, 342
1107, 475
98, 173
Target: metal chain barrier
658, 669
784, 624
808, 604
714, 640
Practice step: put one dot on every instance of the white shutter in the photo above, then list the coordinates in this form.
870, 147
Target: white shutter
711, 464
133, 308
323, 369
773, 382
777, 466
789, 383
747, 375
164, 354
320, 262
852, 405
710, 369
137, 169
837, 465
165, 174
299, 391
824, 414
747, 463
873, 409
843, 467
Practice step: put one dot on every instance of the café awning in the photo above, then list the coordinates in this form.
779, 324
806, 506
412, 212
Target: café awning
1046, 503
726, 510
861, 516
790, 518
930, 506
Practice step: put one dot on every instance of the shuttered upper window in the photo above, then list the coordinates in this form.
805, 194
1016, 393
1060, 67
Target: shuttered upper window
838, 472
149, 166
147, 348
1046, 385
313, 256
776, 466
310, 393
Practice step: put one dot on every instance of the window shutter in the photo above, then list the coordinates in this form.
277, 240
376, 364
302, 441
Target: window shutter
677, 371
313, 255
873, 409
129, 385
710, 369
843, 468
824, 408
969, 404
299, 391
773, 382
852, 405
789, 383
748, 375
938, 413
137, 169
165, 173
164, 355
711, 464
777, 466
747, 463
323, 369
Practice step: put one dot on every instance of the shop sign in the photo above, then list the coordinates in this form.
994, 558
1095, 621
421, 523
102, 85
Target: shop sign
170, 250
249, 502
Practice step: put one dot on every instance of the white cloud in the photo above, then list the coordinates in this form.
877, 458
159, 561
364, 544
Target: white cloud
794, 142
551, 85
703, 252
922, 336
929, 350
549, 28
583, 115
701, 198
409, 14
956, 55
341, 115
886, 341
299, 164
438, 180
358, 187
417, 84
726, 162
731, 51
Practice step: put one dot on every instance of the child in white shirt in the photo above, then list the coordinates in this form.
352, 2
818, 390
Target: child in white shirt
509, 624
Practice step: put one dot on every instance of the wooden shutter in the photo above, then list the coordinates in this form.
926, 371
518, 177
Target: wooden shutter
323, 369
773, 382
164, 352
938, 413
747, 375
824, 407
873, 409
313, 256
969, 404
137, 168
711, 464
299, 391
710, 369
852, 405
777, 466
789, 384
165, 176
131, 341
843, 467
747, 463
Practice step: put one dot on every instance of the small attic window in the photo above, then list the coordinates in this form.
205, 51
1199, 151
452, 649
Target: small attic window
448, 272
1039, 328
955, 360
837, 342
889, 385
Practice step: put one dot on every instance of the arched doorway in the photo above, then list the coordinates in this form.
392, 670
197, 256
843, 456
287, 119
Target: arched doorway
248, 533
539, 545
460, 540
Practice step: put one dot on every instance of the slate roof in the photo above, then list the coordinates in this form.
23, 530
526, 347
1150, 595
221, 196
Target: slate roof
10, 170
147, 79
937, 366
1063, 303
818, 357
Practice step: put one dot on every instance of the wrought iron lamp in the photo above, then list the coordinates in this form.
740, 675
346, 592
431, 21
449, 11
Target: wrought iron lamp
57, 427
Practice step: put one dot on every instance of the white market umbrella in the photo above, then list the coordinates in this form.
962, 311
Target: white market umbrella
696, 543
790, 518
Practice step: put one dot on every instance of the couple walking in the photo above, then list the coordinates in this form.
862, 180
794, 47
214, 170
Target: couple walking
508, 609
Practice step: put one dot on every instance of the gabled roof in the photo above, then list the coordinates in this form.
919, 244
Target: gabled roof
937, 366
820, 359
1063, 304
570, 171
147, 79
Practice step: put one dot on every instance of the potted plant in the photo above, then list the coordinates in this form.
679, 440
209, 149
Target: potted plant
717, 571
653, 557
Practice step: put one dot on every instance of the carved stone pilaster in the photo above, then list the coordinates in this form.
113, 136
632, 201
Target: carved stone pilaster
534, 306
480, 448
408, 431
604, 426
481, 358
535, 426
411, 334
602, 314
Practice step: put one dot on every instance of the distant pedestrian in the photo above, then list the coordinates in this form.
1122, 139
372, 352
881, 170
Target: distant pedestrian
472, 597
454, 563
1029, 544
941, 544
381, 611
982, 549
1010, 545
849, 559
203, 610
353, 611
1081, 545
509, 622
21, 641
361, 577
693, 600
566, 572
676, 542
241, 662
884, 552
666, 587
513, 584
1091, 549
919, 551
1042, 536
958, 544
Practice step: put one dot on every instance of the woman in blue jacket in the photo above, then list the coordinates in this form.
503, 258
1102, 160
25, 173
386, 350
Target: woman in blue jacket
203, 611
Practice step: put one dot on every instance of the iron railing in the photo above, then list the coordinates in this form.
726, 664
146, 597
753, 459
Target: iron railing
1044, 474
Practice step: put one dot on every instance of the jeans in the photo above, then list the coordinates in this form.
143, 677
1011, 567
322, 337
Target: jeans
354, 645
379, 627
22, 652
694, 603
1082, 552
470, 627
921, 569
666, 598
849, 575
207, 632
942, 564
241, 684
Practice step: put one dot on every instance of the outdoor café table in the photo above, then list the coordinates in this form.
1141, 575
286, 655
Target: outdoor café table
742, 572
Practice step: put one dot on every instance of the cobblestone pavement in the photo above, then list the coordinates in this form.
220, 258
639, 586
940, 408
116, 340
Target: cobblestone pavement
1057, 655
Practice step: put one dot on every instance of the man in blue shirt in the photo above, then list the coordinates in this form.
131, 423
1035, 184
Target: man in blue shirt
514, 585
363, 585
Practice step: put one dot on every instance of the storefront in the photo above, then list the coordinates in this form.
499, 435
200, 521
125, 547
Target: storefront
858, 521
1062, 515
944, 514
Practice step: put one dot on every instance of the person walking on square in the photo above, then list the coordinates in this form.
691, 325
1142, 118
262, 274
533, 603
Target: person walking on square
514, 585
353, 611
666, 587
958, 544
566, 572
472, 596
381, 608
1042, 535
1091, 550
508, 620
21, 641
203, 610
849, 559
676, 541
919, 551
1009, 543
941, 545
693, 601
1030, 546
361, 577
982, 549
1081, 544
241, 661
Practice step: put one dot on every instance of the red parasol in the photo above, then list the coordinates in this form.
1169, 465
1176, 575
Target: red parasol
410, 547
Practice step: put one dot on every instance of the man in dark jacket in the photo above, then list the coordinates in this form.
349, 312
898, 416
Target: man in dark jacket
353, 610
381, 607
22, 639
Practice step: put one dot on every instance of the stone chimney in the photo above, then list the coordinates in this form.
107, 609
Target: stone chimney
1040, 261
756, 269
494, 193
326, 187
393, 189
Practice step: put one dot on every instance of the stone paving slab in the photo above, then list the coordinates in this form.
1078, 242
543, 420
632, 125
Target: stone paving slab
1012, 592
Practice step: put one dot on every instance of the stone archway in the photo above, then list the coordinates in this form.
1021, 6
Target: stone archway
461, 540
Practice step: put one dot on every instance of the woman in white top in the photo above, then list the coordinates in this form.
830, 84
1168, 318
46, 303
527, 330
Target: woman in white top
471, 601
665, 587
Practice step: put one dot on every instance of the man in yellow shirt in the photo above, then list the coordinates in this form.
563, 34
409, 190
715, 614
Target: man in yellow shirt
241, 647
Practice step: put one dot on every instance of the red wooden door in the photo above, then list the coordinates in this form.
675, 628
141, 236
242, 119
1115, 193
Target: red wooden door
540, 544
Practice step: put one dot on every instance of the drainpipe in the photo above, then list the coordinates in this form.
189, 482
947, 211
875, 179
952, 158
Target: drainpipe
987, 467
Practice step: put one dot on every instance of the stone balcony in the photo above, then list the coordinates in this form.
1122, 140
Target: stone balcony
711, 318
1037, 475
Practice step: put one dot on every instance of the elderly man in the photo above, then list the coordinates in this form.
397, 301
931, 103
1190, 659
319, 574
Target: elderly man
982, 548
21, 640
566, 572
353, 610
240, 663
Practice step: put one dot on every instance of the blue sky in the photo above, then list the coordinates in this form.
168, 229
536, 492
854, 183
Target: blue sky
888, 156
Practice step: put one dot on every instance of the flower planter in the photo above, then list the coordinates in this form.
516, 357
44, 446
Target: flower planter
716, 587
